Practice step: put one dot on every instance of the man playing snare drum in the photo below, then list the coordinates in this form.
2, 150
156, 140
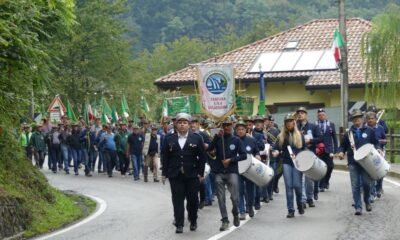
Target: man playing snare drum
357, 136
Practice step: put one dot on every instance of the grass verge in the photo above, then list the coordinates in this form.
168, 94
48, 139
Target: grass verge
67, 209
40, 208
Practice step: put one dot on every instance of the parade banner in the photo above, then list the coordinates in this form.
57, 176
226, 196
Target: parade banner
217, 90
187, 104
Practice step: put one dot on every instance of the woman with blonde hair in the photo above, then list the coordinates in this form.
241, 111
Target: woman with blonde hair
290, 136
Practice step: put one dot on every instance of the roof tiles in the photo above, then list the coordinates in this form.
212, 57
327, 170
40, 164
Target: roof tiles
314, 35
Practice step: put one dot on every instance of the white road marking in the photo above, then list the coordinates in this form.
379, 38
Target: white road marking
233, 228
102, 206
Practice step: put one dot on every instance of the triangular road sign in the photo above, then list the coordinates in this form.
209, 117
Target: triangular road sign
56, 105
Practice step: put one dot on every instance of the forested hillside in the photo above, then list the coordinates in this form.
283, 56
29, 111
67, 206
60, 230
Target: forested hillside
163, 21
115, 47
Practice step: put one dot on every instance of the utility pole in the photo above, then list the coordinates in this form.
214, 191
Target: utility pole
344, 84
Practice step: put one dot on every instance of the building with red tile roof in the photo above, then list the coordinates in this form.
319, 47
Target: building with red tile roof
297, 64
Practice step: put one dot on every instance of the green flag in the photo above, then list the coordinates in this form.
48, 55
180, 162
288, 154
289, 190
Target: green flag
124, 107
114, 114
143, 105
104, 119
105, 108
165, 108
70, 112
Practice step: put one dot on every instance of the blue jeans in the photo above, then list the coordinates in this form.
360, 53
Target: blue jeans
208, 186
102, 161
64, 155
293, 181
76, 156
137, 162
273, 164
85, 160
309, 188
376, 187
360, 178
69, 155
92, 158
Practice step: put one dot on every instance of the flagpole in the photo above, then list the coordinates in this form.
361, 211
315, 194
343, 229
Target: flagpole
261, 104
343, 66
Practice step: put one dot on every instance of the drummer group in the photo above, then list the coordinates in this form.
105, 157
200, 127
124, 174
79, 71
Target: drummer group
187, 148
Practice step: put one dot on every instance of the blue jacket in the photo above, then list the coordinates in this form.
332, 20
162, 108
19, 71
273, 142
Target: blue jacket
108, 142
383, 124
367, 135
314, 130
234, 149
250, 145
259, 137
86, 138
329, 137
99, 138
380, 134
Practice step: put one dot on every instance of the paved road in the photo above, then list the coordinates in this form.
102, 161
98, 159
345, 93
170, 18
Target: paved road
138, 210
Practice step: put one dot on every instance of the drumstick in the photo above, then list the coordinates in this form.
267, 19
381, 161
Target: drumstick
289, 148
352, 143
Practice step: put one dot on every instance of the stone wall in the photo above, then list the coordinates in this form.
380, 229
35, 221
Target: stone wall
13, 217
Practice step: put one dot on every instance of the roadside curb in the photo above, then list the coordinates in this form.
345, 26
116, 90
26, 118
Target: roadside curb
344, 168
101, 206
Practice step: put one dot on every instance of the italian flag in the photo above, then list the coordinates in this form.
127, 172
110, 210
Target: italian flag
336, 46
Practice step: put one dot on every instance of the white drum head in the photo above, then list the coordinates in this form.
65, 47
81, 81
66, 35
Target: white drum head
305, 160
363, 151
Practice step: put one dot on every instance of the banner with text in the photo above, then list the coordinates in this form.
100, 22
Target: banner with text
217, 90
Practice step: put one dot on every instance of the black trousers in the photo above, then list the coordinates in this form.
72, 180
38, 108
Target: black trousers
330, 165
55, 152
123, 163
202, 191
181, 188
111, 160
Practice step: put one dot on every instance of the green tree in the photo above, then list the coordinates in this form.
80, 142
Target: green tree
96, 56
166, 20
27, 29
382, 55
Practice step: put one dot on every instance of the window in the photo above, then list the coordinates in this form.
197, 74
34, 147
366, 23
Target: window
290, 45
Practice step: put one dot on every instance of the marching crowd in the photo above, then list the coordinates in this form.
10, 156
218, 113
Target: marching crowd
201, 161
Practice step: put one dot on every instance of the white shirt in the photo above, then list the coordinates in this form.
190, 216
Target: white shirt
182, 139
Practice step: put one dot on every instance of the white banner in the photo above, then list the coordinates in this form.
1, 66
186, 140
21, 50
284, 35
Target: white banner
217, 90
